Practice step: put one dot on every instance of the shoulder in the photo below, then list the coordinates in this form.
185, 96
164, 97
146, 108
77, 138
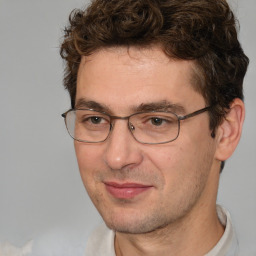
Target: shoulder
101, 242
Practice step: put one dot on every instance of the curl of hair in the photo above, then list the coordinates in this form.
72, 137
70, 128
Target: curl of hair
200, 30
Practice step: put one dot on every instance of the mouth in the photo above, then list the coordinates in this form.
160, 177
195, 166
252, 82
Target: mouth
126, 190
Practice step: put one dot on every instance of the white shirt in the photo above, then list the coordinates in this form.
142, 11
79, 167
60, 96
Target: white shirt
101, 243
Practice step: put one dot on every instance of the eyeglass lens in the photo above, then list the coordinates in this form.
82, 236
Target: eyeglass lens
148, 127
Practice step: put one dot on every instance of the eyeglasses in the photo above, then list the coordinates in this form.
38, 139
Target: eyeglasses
155, 127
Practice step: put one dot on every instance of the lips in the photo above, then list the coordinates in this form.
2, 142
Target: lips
126, 190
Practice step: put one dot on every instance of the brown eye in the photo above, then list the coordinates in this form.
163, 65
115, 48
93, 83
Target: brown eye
156, 121
96, 119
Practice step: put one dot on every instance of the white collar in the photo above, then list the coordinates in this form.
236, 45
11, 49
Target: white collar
227, 245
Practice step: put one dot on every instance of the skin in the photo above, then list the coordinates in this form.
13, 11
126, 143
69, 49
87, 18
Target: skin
178, 211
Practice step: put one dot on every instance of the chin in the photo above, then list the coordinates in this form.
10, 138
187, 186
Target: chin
136, 222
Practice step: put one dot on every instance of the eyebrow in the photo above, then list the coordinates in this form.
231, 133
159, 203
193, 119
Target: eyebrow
160, 106
83, 103
163, 105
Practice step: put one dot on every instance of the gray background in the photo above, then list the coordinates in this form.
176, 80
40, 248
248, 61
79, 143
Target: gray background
41, 195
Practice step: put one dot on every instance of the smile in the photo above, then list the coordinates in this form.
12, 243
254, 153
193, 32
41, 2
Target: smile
126, 190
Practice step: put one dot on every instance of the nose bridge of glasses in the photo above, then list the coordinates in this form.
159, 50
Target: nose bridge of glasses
119, 117
130, 125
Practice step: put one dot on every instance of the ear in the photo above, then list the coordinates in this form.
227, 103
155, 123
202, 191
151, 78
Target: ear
230, 130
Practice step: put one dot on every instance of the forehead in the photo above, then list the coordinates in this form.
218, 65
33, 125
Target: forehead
135, 59
121, 77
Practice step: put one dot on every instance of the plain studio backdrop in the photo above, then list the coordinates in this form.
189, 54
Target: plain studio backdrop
41, 193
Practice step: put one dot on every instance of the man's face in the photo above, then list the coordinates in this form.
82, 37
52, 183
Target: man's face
137, 187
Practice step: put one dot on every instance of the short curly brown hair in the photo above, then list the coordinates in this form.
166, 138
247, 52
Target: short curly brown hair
200, 30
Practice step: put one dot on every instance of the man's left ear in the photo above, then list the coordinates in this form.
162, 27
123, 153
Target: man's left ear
230, 130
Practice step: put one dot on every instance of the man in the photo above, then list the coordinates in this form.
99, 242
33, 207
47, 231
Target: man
156, 97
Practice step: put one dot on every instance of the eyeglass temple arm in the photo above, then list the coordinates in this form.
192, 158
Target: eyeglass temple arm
65, 114
194, 113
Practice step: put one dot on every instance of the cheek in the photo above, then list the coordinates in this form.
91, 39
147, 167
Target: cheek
89, 159
166, 158
179, 162
168, 161
87, 154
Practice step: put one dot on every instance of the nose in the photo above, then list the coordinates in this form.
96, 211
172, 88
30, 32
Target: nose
122, 150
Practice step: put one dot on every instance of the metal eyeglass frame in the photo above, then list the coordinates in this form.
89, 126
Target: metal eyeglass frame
130, 126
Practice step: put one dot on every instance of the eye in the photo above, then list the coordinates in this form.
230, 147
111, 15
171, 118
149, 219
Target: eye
156, 121
96, 119
90, 120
